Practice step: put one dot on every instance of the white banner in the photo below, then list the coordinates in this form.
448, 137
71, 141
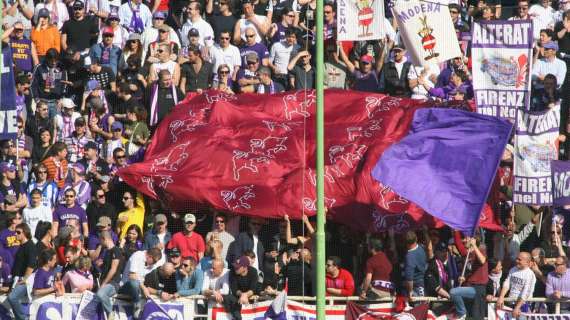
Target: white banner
427, 30
507, 314
536, 144
360, 20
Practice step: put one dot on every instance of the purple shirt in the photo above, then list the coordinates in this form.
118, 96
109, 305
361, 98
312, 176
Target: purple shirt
555, 282
259, 49
5, 275
9, 241
44, 279
75, 216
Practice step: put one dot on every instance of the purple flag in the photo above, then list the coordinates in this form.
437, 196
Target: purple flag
154, 311
8, 125
446, 164
276, 310
560, 182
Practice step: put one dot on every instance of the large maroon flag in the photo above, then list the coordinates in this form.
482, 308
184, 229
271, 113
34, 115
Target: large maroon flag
255, 154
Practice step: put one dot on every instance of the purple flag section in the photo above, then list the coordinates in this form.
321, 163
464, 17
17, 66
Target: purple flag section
153, 311
560, 182
446, 164
8, 125
276, 310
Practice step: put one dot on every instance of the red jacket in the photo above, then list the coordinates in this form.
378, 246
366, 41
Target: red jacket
343, 281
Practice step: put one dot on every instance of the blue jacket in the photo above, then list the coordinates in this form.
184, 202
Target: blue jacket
151, 239
112, 61
188, 286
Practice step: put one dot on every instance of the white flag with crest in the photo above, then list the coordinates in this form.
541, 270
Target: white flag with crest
360, 20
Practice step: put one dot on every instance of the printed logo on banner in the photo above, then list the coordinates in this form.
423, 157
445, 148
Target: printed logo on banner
560, 183
384, 222
238, 198
173, 160
501, 55
49, 311
298, 103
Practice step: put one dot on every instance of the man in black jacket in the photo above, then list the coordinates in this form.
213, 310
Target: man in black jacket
243, 285
396, 74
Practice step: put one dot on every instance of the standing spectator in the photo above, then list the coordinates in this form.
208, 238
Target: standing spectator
95, 166
106, 52
507, 245
24, 265
219, 233
9, 239
161, 97
339, 281
301, 75
56, 164
132, 242
247, 78
159, 236
20, 11
65, 121
111, 269
558, 282
415, 266
80, 32
48, 188
278, 31
190, 243
336, 70
226, 53
99, 207
222, 18
298, 273
120, 34
251, 46
249, 240
280, 55
48, 80
195, 21
58, 12
396, 74
164, 62
438, 279
151, 32
133, 214
549, 64
70, 214
258, 23
10, 185
542, 15
36, 211
77, 141
102, 74
377, 282
196, 74
422, 79
45, 279
40, 120
366, 77
79, 184
164, 33
135, 16
519, 284
24, 52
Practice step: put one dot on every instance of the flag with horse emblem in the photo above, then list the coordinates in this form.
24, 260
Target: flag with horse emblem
427, 30
360, 20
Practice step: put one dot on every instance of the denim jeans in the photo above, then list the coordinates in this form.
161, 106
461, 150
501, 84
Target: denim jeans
104, 295
457, 296
15, 299
132, 289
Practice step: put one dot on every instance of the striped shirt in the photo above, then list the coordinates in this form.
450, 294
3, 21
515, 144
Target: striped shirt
57, 170
556, 282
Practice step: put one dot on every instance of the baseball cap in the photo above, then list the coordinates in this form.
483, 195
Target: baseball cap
93, 84
398, 48
43, 13
79, 168
366, 58
174, 252
189, 218
67, 103
160, 218
159, 15
251, 57
134, 36
104, 221
243, 261
193, 32
116, 126
108, 30
6, 166
551, 45
78, 4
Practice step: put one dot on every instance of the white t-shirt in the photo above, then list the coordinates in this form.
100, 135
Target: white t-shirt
229, 56
32, 216
520, 283
281, 54
204, 30
137, 264
245, 24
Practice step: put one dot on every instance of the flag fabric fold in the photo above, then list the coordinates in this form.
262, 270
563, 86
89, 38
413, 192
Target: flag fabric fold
153, 311
355, 311
446, 164
277, 309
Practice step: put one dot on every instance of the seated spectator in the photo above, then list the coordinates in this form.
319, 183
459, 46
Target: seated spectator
159, 236
377, 282
216, 282
494, 283
133, 215
248, 78
174, 257
70, 214
161, 282
266, 84
519, 284
45, 278
189, 242
45, 35
132, 242
339, 281
80, 278
189, 278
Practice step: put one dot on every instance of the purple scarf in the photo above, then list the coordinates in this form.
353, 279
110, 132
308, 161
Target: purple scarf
154, 99
136, 24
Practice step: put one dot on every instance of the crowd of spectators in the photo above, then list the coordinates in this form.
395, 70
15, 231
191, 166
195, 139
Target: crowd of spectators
95, 78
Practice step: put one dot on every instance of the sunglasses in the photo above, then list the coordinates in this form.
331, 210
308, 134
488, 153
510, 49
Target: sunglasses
42, 172
162, 31
121, 157
364, 62
220, 221
160, 51
126, 198
224, 72
250, 35
224, 38
69, 196
77, 9
189, 222
101, 196
157, 18
108, 35
18, 30
250, 63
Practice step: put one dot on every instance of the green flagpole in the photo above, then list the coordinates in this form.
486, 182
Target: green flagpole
320, 235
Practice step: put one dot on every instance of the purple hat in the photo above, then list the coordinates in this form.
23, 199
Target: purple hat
243, 261
6, 166
79, 168
117, 125
93, 84
159, 15
551, 45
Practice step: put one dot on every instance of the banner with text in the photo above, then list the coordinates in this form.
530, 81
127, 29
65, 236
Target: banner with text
360, 20
427, 30
502, 57
8, 125
560, 182
536, 144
